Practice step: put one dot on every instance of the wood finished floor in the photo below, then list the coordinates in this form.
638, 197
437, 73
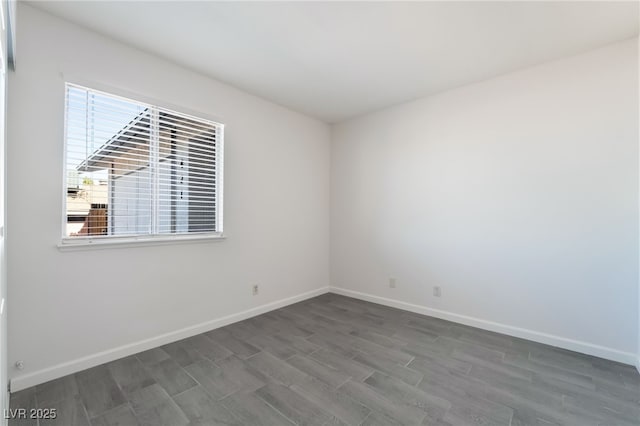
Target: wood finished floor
333, 360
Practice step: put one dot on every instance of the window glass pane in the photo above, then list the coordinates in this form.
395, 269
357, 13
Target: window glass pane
136, 169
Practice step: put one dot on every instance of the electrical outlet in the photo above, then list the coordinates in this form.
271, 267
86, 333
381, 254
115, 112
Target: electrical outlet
254, 290
437, 292
392, 283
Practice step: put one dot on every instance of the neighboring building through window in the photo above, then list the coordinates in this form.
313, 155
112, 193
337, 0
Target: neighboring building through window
134, 169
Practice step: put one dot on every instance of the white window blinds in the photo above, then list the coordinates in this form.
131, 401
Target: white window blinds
134, 169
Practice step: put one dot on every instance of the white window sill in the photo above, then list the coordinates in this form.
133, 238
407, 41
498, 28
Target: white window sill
88, 243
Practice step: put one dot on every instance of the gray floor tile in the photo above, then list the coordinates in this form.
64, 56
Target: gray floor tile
380, 362
559, 357
152, 356
251, 410
402, 394
197, 405
334, 342
597, 405
300, 344
379, 419
491, 372
451, 386
616, 391
568, 376
319, 371
119, 416
377, 402
343, 364
529, 405
145, 398
462, 348
412, 335
154, 407
380, 339
130, 374
182, 353
304, 325
286, 327
335, 402
265, 325
435, 349
98, 390
208, 347
166, 413
24, 399
245, 330
433, 325
21, 403
215, 381
276, 369
56, 390
482, 337
246, 378
18, 419
332, 360
69, 411
240, 348
362, 346
292, 405
479, 412
273, 346
322, 324
168, 374
425, 363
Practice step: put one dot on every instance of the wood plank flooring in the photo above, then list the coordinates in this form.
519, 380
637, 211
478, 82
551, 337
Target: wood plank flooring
333, 360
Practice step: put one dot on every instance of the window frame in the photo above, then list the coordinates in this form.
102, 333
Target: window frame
68, 243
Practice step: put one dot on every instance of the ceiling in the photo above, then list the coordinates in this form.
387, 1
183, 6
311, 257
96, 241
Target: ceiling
335, 60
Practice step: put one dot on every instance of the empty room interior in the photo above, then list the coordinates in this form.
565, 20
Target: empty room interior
320, 213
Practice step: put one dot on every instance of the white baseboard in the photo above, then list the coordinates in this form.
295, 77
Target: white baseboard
536, 336
70, 367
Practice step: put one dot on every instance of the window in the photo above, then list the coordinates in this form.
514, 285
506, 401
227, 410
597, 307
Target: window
138, 170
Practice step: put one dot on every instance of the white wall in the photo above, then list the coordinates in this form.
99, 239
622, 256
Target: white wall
70, 305
517, 195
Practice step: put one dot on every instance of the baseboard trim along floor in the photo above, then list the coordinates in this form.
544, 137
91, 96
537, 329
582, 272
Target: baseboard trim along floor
337, 359
628, 358
70, 367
